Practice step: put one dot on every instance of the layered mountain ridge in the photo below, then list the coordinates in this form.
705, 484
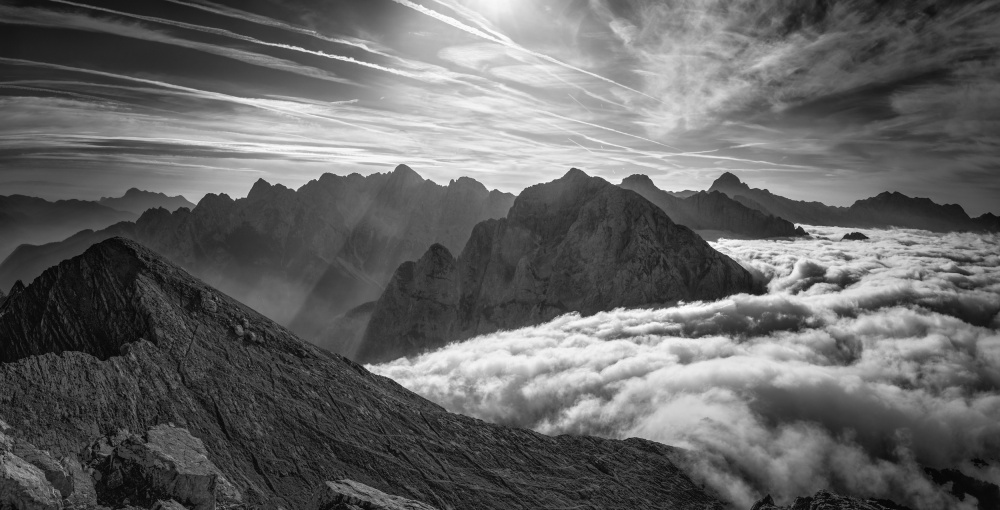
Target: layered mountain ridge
118, 343
300, 257
576, 244
885, 210
138, 201
712, 211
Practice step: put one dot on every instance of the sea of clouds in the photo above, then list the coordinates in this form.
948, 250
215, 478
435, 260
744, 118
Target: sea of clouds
863, 363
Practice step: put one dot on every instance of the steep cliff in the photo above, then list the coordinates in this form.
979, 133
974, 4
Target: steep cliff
577, 244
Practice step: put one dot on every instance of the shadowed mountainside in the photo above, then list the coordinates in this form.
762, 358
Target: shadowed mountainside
577, 243
712, 211
300, 257
118, 342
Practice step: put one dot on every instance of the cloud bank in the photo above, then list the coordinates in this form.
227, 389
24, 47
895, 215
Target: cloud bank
864, 363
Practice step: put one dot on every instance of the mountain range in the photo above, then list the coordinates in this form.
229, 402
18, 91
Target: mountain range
319, 259
576, 244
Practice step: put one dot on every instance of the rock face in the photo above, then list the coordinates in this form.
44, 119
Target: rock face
138, 201
300, 257
711, 211
351, 495
854, 236
881, 211
118, 341
30, 220
824, 500
575, 244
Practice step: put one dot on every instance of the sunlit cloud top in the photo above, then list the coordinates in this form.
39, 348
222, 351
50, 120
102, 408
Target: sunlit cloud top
831, 101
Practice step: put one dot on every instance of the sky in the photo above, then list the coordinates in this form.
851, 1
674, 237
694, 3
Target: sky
816, 100
863, 363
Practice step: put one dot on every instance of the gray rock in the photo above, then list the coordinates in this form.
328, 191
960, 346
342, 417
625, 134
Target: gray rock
351, 495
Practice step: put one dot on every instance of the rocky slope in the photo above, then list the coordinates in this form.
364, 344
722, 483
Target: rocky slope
575, 244
30, 220
139, 201
713, 211
103, 350
300, 257
888, 209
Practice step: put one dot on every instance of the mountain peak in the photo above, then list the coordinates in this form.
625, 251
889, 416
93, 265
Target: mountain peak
728, 179
575, 173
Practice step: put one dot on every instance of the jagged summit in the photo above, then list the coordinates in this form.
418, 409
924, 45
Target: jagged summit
120, 342
304, 256
577, 243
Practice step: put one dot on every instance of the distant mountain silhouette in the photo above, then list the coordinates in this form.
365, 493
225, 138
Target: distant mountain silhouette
127, 381
888, 209
138, 201
300, 257
30, 220
576, 244
713, 211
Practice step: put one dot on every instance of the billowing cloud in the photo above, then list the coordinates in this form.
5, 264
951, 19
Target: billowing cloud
863, 363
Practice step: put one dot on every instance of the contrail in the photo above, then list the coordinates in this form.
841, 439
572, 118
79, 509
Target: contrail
218, 96
246, 38
598, 126
511, 44
270, 22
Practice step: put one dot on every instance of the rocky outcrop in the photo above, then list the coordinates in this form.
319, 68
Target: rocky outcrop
139, 201
351, 495
118, 341
30, 220
854, 236
888, 209
300, 257
713, 211
577, 244
824, 500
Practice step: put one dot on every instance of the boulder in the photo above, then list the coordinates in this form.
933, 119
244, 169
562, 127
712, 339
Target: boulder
22, 485
855, 236
170, 464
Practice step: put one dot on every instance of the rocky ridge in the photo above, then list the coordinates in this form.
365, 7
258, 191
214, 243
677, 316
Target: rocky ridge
577, 244
712, 211
103, 350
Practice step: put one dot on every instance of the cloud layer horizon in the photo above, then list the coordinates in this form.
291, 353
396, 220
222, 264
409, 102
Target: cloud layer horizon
862, 364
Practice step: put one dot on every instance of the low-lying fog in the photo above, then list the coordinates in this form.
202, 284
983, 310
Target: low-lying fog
864, 362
